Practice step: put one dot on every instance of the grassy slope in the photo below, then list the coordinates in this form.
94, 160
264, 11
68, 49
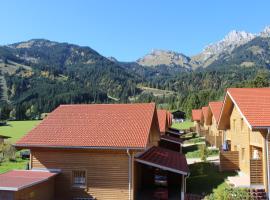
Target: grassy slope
184, 125
205, 177
17, 129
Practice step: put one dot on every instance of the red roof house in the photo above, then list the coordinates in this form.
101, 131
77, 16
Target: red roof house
94, 148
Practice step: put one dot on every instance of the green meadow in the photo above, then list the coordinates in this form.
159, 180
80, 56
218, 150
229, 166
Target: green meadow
15, 130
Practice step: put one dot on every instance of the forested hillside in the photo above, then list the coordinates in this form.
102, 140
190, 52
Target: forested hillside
38, 75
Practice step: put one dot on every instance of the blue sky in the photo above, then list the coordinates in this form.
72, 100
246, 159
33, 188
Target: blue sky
129, 29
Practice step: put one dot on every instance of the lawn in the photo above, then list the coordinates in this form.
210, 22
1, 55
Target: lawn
10, 165
17, 129
184, 125
204, 177
193, 151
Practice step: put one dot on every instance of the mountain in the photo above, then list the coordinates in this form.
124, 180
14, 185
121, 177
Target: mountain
38, 75
211, 55
162, 57
225, 46
43, 74
255, 53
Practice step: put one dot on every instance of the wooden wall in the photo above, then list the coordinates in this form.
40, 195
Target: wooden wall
229, 160
242, 139
107, 172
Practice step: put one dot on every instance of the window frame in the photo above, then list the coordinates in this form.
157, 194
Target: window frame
82, 186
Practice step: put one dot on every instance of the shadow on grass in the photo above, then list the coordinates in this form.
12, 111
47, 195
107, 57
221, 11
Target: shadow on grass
204, 177
190, 148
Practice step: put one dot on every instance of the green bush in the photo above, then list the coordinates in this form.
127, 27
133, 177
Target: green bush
225, 192
203, 153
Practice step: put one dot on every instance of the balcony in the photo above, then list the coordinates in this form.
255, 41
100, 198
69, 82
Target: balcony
256, 172
229, 160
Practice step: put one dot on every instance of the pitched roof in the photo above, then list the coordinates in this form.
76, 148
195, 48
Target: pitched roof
162, 120
93, 126
196, 115
253, 103
205, 111
19, 179
215, 108
165, 159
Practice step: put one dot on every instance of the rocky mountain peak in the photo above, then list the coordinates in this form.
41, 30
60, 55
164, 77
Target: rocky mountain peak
230, 41
266, 32
163, 57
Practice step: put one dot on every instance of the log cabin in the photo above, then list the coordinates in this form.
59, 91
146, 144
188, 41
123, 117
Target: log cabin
215, 136
163, 121
245, 119
105, 151
196, 118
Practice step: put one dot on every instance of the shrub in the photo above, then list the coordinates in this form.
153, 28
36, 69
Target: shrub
225, 192
203, 152
9, 152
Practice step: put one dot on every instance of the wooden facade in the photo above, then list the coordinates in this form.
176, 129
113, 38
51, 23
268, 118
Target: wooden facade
107, 172
248, 143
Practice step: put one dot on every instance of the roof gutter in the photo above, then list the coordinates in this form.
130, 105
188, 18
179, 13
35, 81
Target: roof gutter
77, 147
129, 173
267, 161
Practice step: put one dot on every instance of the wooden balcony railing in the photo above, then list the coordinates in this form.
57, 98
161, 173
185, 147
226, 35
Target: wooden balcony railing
256, 171
229, 160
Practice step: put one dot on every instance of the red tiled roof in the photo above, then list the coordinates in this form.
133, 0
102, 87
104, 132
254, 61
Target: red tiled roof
215, 108
20, 179
196, 115
254, 103
172, 139
165, 159
162, 120
93, 126
205, 112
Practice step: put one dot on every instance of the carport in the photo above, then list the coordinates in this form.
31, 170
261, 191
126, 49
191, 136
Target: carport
27, 185
171, 143
159, 162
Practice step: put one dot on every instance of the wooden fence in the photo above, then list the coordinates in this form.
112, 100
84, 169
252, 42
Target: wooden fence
229, 160
256, 171
210, 140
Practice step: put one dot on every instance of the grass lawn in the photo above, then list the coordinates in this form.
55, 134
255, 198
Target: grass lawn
10, 165
184, 125
17, 129
193, 151
205, 177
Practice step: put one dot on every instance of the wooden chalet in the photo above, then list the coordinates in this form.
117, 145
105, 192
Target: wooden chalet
196, 118
215, 136
178, 115
100, 152
245, 119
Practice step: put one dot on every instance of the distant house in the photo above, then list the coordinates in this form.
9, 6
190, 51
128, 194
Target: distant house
163, 120
245, 119
3, 138
196, 118
178, 115
212, 118
100, 152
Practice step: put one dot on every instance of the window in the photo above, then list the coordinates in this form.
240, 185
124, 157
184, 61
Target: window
243, 154
79, 178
